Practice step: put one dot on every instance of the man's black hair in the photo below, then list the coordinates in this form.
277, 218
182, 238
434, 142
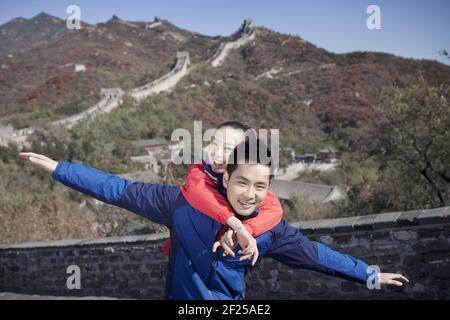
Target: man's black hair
250, 151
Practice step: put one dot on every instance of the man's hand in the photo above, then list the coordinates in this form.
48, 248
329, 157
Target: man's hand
393, 279
40, 160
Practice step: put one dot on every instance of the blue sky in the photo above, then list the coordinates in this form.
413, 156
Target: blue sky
409, 28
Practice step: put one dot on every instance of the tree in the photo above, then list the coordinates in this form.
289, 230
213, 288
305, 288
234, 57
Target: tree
415, 141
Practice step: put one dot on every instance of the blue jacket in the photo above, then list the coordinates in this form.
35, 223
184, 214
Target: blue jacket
194, 271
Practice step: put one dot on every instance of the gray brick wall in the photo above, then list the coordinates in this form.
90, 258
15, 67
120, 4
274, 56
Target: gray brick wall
415, 243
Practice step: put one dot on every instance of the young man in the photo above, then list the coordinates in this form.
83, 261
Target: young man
200, 191
194, 271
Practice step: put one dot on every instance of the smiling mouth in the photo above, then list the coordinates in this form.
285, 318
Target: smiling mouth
246, 205
215, 164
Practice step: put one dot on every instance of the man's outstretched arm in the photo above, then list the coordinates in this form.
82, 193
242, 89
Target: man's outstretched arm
291, 247
152, 201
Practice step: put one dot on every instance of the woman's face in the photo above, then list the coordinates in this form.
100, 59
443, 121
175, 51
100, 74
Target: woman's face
222, 145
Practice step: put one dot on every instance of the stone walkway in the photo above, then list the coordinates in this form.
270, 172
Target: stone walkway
19, 296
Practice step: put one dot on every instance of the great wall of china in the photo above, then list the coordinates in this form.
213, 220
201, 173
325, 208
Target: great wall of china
414, 243
111, 98
166, 82
247, 34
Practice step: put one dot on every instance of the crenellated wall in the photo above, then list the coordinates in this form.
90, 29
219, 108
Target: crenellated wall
415, 243
166, 82
247, 34
111, 99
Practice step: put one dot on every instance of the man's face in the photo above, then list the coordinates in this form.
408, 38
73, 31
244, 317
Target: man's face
247, 187
222, 145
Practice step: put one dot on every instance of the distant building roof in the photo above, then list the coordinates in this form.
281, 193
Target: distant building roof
150, 142
313, 192
307, 155
6, 130
330, 149
144, 159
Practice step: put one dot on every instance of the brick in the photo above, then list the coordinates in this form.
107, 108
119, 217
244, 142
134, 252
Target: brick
103, 267
381, 235
426, 233
341, 239
418, 287
446, 231
322, 226
415, 272
301, 286
344, 224
431, 246
437, 256
405, 235
438, 271
386, 220
317, 289
425, 296
348, 286
438, 215
47, 253
255, 287
389, 259
409, 218
445, 295
364, 223
444, 285
413, 259
306, 227
115, 258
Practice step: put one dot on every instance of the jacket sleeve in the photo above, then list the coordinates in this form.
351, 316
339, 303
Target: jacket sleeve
291, 247
200, 191
152, 201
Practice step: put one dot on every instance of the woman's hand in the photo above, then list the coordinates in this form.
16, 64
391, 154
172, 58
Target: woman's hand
231, 238
248, 244
40, 160
228, 242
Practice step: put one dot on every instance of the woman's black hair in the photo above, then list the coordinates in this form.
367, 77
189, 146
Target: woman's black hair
234, 124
